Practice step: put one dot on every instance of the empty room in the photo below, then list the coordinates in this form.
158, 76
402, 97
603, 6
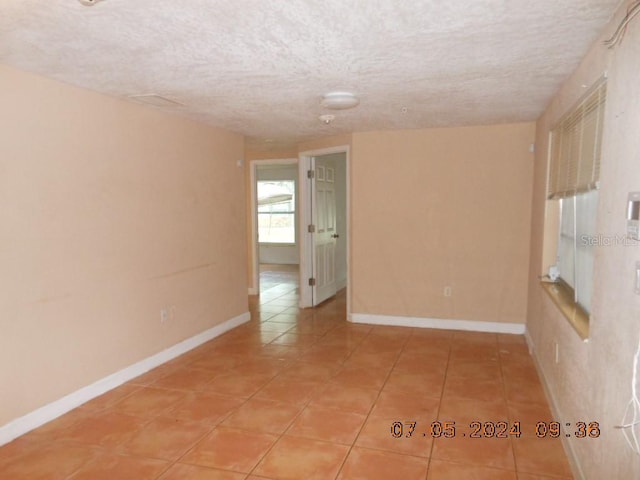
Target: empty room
258, 239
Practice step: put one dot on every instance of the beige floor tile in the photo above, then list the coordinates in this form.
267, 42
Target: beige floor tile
365, 464
294, 458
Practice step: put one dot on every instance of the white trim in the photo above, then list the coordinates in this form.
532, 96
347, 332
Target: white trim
306, 251
440, 323
59, 407
529, 340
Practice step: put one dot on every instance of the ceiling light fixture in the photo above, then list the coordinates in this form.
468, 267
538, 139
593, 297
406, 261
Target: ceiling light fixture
339, 100
89, 3
327, 118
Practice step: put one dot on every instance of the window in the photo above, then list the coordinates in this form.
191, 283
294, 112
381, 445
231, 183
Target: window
574, 173
575, 251
276, 212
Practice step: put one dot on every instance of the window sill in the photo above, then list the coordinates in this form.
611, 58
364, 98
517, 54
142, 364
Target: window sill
574, 313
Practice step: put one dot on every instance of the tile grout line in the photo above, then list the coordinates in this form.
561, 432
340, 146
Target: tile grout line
506, 402
230, 413
216, 425
306, 404
374, 402
280, 436
444, 382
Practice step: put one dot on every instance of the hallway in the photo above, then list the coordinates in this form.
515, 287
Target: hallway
277, 280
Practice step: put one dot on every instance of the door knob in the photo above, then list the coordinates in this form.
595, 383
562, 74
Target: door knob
335, 235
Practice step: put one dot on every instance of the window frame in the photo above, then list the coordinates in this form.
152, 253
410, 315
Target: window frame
271, 213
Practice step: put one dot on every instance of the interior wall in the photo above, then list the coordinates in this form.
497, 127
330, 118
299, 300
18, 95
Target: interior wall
274, 253
326, 142
592, 380
436, 208
109, 212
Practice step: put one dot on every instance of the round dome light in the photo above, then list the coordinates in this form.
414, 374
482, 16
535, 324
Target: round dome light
339, 100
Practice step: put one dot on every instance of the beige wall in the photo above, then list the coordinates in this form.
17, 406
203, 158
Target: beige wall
592, 381
439, 207
326, 142
442, 207
109, 211
271, 154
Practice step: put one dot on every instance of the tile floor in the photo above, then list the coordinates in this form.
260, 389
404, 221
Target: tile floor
306, 395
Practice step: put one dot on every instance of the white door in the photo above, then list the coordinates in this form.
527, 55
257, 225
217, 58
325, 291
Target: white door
323, 193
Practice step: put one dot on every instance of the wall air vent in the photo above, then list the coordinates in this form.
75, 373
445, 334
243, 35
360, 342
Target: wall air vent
155, 100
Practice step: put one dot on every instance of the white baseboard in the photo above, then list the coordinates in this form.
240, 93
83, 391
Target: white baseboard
439, 323
529, 340
576, 468
59, 407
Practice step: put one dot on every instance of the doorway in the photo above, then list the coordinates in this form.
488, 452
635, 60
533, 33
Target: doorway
275, 213
305, 241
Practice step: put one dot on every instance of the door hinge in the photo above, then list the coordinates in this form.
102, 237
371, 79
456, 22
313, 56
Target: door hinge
312, 282
311, 174
311, 229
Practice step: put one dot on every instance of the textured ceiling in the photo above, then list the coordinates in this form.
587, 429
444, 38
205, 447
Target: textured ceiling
260, 67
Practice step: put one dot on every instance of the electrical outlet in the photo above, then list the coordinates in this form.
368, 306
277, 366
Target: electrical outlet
447, 291
164, 315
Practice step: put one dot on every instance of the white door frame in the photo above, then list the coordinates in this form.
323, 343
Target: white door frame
306, 238
253, 234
